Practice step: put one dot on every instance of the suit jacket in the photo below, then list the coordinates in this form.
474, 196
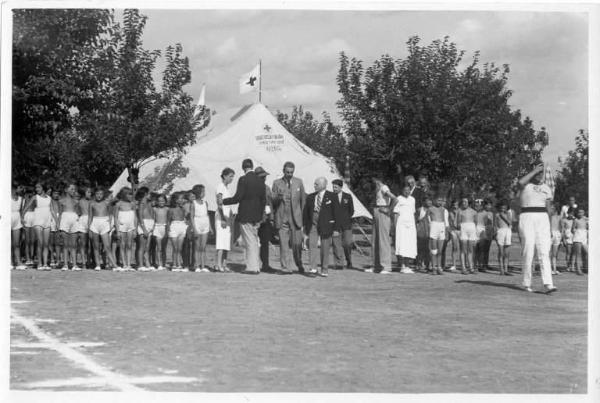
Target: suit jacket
251, 196
328, 214
345, 211
298, 201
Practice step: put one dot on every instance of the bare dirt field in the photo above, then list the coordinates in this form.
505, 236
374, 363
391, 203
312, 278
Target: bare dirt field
350, 332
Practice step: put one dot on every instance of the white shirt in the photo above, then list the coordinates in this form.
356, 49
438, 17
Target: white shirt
565, 209
405, 208
224, 191
319, 198
535, 195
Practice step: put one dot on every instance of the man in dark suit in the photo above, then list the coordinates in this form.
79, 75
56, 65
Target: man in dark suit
250, 194
289, 199
265, 230
343, 241
319, 216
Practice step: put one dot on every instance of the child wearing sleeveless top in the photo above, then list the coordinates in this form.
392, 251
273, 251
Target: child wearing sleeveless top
176, 228
145, 218
43, 215
200, 228
16, 228
125, 224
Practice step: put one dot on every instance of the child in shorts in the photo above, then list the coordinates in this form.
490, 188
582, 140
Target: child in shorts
580, 239
27, 217
84, 196
468, 235
125, 224
16, 228
503, 235
453, 236
177, 228
55, 242
200, 228
145, 219
160, 225
437, 216
99, 224
566, 225
555, 222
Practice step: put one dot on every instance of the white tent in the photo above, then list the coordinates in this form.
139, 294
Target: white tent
252, 132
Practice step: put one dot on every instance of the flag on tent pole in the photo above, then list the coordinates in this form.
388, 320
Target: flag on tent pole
250, 81
201, 100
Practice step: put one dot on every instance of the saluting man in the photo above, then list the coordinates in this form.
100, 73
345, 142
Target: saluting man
343, 241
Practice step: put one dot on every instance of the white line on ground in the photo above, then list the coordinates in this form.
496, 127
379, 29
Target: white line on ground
73, 344
45, 320
99, 381
104, 376
110, 378
24, 352
19, 302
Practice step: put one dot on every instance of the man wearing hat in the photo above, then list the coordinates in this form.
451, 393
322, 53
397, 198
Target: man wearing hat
342, 240
265, 231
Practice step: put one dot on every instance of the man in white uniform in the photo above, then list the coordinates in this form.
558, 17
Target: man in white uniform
534, 226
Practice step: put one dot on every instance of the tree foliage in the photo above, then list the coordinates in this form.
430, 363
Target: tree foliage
424, 113
573, 177
124, 120
54, 53
322, 136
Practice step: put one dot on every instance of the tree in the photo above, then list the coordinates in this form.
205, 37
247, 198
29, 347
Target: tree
423, 113
324, 137
573, 179
54, 51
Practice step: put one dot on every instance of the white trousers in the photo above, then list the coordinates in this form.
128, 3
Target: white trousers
534, 229
251, 240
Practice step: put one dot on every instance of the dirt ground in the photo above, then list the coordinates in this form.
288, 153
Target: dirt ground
350, 332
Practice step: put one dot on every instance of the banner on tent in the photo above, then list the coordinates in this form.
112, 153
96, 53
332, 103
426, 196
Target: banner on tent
270, 141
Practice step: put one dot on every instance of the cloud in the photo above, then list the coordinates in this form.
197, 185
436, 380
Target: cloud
470, 25
303, 94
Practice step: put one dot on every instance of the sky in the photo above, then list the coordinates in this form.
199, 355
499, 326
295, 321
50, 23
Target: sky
547, 53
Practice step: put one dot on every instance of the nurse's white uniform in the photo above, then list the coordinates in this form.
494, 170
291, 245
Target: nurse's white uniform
223, 235
406, 230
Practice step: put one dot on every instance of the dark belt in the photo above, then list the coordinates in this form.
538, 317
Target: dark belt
534, 210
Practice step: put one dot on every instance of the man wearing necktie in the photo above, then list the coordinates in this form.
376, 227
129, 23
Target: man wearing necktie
320, 222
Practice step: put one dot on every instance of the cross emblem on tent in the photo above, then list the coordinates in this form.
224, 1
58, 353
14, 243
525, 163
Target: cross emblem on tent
251, 81
267, 128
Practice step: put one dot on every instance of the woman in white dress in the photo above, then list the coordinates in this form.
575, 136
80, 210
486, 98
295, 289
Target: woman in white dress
223, 220
406, 230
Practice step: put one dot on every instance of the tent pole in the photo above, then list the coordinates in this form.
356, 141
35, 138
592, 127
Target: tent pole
259, 81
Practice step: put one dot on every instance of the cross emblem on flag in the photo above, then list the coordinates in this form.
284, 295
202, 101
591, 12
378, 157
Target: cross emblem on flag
251, 81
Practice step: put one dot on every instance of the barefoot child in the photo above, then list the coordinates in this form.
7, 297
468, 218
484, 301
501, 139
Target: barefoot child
437, 216
125, 224
468, 235
145, 218
68, 224
200, 228
580, 238
99, 223
160, 225
555, 229
177, 228
503, 235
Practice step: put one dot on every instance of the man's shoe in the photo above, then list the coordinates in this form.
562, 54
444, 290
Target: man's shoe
250, 272
385, 272
407, 270
528, 289
550, 289
369, 271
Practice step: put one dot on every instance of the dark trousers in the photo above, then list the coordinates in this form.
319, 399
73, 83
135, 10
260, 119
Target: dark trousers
265, 232
343, 241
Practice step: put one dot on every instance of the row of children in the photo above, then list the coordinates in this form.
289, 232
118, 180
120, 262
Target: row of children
470, 227
59, 222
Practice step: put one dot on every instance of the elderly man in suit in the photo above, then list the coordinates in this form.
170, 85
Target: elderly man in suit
343, 241
289, 198
250, 194
320, 214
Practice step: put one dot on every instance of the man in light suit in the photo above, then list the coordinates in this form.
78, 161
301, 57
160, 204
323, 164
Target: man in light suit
320, 213
289, 198
250, 194
343, 241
